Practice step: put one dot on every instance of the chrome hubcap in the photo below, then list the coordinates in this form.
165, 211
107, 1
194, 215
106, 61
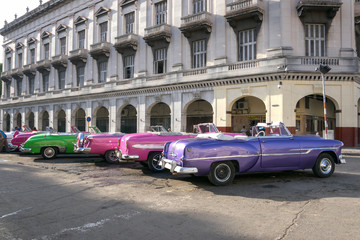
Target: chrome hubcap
155, 162
325, 165
49, 152
222, 172
112, 156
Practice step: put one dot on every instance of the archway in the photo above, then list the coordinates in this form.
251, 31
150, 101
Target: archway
44, 120
102, 119
61, 121
31, 120
247, 111
310, 116
80, 119
160, 114
199, 111
17, 120
128, 119
7, 122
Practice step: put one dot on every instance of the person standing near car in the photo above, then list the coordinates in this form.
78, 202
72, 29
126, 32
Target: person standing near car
3, 142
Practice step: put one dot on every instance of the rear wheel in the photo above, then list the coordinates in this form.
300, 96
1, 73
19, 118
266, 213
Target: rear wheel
222, 173
110, 157
49, 152
153, 162
324, 166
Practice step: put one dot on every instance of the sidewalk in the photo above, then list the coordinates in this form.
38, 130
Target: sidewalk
353, 151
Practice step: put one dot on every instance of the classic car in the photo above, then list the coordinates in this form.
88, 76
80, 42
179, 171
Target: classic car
146, 148
23, 136
50, 144
273, 148
101, 143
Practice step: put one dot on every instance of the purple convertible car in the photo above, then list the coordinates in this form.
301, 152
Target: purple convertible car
272, 148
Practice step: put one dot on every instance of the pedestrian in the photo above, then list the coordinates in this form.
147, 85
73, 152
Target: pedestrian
243, 130
3, 142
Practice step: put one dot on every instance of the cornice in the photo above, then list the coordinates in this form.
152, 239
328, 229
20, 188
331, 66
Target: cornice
190, 86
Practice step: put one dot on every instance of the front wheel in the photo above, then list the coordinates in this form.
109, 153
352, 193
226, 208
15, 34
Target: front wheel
324, 166
110, 157
222, 173
153, 162
49, 152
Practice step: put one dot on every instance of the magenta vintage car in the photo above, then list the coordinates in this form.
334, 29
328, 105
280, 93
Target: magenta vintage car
272, 148
146, 148
100, 143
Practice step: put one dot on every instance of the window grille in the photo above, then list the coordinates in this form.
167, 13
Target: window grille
80, 75
81, 36
160, 61
103, 32
129, 66
63, 45
129, 19
61, 79
102, 71
161, 13
315, 40
199, 6
199, 54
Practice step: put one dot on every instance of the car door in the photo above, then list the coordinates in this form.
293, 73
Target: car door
279, 152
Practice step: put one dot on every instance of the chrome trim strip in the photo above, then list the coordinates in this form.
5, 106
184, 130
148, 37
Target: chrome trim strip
232, 156
146, 146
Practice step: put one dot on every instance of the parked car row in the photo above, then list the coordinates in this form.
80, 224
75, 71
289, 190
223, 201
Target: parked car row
208, 152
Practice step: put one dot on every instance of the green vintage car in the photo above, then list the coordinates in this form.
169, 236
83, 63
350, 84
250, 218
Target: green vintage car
50, 144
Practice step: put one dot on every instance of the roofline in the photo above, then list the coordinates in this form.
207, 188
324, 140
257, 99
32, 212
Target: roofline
31, 15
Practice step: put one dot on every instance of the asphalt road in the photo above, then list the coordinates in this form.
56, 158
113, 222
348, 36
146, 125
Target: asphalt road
82, 197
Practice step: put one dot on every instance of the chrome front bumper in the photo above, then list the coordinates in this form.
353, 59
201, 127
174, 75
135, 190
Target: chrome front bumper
82, 150
25, 150
12, 147
342, 159
171, 165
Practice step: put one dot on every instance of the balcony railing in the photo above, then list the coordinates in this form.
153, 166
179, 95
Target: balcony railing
320, 60
78, 55
17, 73
243, 5
329, 6
29, 69
59, 61
127, 41
158, 32
43, 65
195, 22
100, 49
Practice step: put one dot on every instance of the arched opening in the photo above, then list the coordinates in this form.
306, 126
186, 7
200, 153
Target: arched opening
310, 116
31, 120
61, 123
7, 122
44, 121
247, 111
200, 111
18, 120
102, 119
128, 119
160, 115
80, 119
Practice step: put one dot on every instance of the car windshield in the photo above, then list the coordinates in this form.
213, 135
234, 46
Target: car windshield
157, 128
94, 129
205, 128
270, 129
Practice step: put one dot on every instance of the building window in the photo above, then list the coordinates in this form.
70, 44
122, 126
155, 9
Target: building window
32, 56
8, 87
45, 78
103, 32
199, 54
160, 61
315, 40
8, 63
19, 87
129, 66
80, 76
102, 70
61, 78
20, 60
46, 51
81, 36
160, 9
199, 6
31, 84
129, 22
247, 45
63, 45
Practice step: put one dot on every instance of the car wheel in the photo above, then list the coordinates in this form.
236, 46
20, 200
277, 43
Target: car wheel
110, 157
324, 166
153, 162
49, 152
222, 173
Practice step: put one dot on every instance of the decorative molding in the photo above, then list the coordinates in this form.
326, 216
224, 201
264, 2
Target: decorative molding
45, 34
61, 28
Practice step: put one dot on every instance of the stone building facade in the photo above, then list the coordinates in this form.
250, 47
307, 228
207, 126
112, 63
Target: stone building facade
135, 63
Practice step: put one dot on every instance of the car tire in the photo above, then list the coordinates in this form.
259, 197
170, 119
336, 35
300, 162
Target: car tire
222, 173
110, 157
49, 152
153, 162
324, 166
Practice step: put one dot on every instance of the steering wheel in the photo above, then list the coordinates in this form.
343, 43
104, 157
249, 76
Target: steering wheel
259, 134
